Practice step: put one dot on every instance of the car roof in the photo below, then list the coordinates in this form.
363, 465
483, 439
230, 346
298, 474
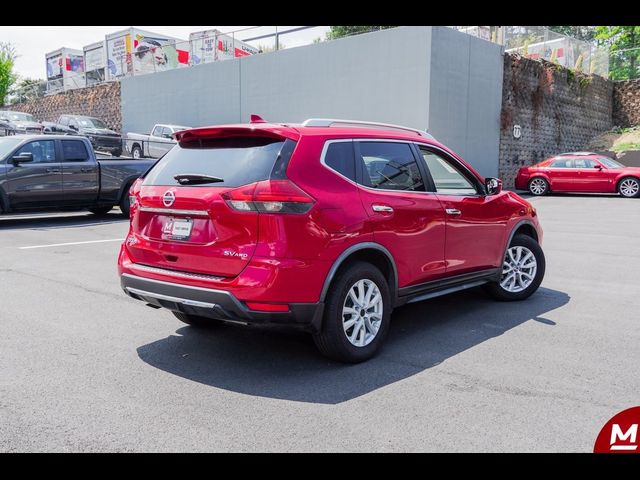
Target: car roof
48, 137
295, 131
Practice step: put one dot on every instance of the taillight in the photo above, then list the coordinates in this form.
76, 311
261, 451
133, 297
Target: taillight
133, 192
269, 196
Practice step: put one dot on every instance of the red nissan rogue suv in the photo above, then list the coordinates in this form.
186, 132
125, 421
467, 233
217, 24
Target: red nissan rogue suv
325, 226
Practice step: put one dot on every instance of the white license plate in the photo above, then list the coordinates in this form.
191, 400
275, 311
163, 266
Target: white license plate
178, 229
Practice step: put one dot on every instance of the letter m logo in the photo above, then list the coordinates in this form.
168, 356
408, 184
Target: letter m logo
630, 436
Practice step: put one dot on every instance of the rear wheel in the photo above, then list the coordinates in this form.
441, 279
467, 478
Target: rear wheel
357, 315
522, 270
196, 321
538, 186
136, 152
100, 210
629, 187
125, 203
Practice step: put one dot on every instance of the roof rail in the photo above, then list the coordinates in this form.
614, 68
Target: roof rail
331, 122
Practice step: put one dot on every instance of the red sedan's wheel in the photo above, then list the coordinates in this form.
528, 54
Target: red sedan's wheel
629, 187
538, 186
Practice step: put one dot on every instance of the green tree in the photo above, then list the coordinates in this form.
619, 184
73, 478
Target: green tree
624, 46
338, 32
27, 89
7, 76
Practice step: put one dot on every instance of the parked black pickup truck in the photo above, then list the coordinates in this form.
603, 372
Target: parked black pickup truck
53, 172
100, 136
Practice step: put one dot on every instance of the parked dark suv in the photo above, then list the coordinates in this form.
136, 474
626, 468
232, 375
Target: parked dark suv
324, 226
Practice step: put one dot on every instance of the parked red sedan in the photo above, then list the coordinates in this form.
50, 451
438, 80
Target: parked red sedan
579, 172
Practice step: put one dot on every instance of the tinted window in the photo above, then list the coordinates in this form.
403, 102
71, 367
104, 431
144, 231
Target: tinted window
390, 166
447, 177
74, 150
583, 163
610, 163
237, 160
44, 151
339, 157
564, 163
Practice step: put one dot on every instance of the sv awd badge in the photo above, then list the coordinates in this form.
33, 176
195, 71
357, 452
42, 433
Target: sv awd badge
229, 253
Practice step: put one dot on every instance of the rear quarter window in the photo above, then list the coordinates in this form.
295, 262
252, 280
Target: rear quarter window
237, 160
340, 157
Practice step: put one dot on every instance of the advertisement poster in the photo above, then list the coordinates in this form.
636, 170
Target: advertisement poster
119, 56
94, 59
54, 67
209, 47
75, 63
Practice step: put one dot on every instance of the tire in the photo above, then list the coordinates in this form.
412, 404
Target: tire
510, 290
196, 321
629, 187
116, 153
136, 152
538, 186
125, 204
100, 210
332, 340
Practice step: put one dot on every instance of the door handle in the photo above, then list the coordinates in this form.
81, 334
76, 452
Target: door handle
453, 211
382, 208
53, 170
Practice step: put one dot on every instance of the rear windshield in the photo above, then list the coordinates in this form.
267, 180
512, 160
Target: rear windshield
236, 160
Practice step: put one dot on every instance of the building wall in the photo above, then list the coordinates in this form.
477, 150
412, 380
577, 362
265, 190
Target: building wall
385, 76
558, 111
381, 76
626, 103
465, 96
101, 101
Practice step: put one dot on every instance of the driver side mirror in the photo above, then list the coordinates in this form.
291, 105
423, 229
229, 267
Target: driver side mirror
598, 167
24, 157
73, 127
493, 186
166, 135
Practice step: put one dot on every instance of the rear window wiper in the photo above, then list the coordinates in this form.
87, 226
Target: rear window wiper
196, 179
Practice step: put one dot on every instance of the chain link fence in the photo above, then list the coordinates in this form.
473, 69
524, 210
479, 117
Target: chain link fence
541, 43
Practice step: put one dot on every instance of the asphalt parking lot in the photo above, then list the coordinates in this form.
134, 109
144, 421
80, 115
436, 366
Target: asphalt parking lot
84, 368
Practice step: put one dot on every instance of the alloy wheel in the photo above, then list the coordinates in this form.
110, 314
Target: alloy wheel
537, 186
362, 313
519, 269
629, 187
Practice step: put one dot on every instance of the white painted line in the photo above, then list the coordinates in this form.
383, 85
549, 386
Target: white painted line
71, 243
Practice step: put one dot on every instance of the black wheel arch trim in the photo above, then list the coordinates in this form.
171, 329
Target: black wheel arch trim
356, 248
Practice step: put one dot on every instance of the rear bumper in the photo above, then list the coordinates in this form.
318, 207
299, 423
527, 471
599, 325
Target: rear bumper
217, 304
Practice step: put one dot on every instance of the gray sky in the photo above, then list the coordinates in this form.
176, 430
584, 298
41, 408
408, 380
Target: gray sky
32, 43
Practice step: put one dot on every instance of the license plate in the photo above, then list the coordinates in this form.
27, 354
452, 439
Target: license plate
178, 229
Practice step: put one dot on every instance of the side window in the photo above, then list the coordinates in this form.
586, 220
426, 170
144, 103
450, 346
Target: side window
339, 157
166, 131
389, 166
447, 177
74, 150
157, 131
583, 163
64, 120
43, 151
563, 163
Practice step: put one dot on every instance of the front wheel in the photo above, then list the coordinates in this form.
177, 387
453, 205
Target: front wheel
629, 187
357, 315
125, 203
538, 186
522, 270
116, 153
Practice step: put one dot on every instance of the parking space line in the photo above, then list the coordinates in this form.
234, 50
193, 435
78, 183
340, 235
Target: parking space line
71, 243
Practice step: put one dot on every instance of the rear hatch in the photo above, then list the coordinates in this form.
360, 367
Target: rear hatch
184, 218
